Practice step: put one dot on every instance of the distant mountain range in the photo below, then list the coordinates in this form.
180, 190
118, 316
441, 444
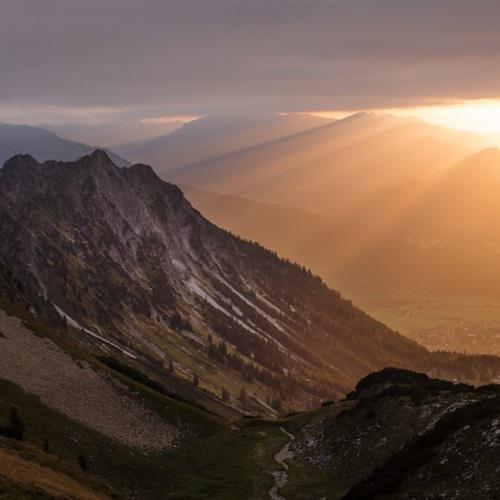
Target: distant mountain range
43, 145
213, 136
332, 169
115, 133
439, 236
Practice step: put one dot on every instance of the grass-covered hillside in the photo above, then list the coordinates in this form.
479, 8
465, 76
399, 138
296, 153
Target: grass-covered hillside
169, 449
399, 434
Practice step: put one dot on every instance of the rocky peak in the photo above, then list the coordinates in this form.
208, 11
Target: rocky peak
21, 161
97, 169
100, 155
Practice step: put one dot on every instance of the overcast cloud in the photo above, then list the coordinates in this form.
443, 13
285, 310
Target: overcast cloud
87, 60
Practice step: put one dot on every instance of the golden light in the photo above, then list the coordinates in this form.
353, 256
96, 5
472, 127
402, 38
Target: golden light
481, 116
162, 120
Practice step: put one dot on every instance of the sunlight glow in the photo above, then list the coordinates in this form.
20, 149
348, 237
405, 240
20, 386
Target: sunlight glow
161, 120
480, 116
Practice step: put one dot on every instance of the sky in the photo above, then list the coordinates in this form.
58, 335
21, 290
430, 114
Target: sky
94, 62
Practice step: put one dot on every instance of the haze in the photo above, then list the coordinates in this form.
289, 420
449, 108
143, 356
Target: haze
132, 61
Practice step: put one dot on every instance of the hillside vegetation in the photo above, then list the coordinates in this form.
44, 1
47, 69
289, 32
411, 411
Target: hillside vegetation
134, 271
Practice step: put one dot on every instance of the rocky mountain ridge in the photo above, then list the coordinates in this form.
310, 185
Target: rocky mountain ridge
134, 269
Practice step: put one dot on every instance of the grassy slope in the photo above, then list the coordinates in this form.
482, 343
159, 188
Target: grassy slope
29, 473
211, 461
216, 460
216, 463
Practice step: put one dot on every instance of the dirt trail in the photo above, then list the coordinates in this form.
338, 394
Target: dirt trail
281, 475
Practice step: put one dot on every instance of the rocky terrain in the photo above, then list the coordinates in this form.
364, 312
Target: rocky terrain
76, 389
399, 435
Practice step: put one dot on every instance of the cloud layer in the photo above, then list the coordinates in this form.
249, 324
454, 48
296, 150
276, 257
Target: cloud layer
139, 59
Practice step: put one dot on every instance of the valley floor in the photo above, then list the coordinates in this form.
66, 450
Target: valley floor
451, 323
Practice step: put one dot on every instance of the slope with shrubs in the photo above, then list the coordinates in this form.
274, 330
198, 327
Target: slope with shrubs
395, 429
61, 451
207, 460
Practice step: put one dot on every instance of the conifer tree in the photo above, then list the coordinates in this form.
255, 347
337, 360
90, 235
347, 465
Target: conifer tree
16, 425
82, 462
244, 397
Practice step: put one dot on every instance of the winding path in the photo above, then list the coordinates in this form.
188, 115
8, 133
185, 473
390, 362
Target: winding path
281, 475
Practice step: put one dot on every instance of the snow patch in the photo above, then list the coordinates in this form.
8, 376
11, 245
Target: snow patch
195, 287
270, 319
179, 265
270, 304
192, 336
264, 404
77, 325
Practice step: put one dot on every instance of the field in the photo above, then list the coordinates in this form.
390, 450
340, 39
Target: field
453, 323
